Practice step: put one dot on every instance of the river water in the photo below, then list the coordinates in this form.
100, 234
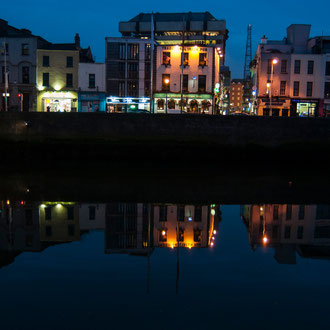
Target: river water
80, 265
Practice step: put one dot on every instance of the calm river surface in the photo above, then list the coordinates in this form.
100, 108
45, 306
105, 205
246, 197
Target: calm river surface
72, 265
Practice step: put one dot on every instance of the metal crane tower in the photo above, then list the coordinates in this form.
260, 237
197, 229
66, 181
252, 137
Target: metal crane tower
248, 54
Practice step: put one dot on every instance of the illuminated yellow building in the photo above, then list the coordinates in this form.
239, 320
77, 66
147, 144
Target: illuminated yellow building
188, 226
133, 228
200, 72
57, 78
59, 222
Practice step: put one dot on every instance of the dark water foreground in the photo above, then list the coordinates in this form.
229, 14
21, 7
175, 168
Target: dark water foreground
145, 246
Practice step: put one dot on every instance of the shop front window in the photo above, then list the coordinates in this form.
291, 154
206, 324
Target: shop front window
306, 109
57, 104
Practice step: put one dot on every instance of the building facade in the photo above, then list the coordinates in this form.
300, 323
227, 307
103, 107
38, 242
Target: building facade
57, 78
91, 216
236, 95
289, 76
127, 73
91, 84
189, 50
18, 58
59, 222
289, 229
186, 226
139, 228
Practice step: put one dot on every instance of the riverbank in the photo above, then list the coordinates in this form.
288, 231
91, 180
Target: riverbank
55, 140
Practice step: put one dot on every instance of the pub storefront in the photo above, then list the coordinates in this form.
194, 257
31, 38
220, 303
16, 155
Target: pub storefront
191, 103
279, 107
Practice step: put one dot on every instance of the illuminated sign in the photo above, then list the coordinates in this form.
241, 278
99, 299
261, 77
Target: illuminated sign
127, 100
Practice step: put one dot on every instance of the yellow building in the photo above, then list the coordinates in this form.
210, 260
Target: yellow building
57, 78
188, 226
59, 222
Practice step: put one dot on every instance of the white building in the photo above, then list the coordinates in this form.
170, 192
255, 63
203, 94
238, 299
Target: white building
289, 229
91, 83
290, 75
91, 216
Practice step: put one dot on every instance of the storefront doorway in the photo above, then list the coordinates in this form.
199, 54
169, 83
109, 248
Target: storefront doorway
90, 106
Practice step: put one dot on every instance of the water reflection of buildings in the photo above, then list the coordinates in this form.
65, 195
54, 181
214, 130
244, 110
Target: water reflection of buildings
289, 229
32, 227
59, 222
129, 228
138, 228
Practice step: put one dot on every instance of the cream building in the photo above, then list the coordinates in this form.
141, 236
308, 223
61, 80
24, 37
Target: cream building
290, 75
59, 222
57, 78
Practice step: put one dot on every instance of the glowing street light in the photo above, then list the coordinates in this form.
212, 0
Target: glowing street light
166, 81
265, 240
274, 62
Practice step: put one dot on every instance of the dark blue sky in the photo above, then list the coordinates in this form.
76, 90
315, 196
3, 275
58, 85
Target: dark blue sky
94, 20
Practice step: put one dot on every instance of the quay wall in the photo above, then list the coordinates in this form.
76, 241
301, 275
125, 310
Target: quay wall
145, 128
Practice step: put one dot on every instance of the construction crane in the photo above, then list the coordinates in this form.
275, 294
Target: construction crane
248, 54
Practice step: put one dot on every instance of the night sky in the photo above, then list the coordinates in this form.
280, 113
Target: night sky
94, 20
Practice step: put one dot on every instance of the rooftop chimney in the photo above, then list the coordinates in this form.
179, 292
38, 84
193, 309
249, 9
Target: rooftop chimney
77, 40
264, 40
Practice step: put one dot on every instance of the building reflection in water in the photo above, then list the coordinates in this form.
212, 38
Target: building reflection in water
129, 228
289, 229
133, 228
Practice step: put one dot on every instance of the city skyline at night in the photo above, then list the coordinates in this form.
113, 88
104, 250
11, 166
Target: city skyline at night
94, 24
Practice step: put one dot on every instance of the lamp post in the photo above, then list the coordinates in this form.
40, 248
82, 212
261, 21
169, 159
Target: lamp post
166, 81
219, 51
6, 75
274, 61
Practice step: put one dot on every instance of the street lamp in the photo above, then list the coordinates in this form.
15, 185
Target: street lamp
219, 51
4, 50
274, 61
166, 81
